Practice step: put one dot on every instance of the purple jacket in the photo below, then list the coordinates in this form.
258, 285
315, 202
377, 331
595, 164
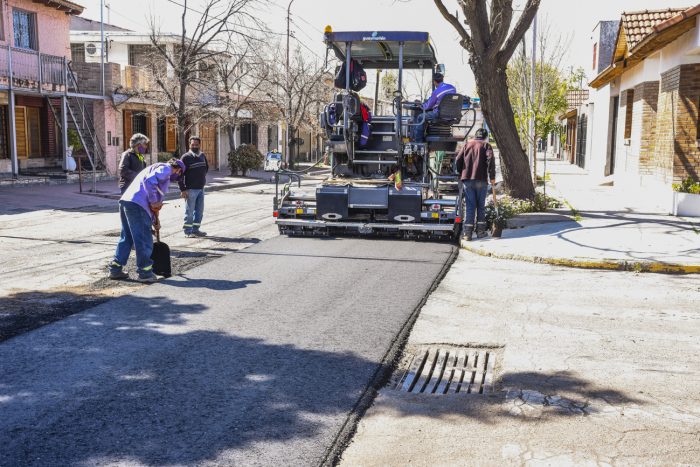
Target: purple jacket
149, 186
441, 91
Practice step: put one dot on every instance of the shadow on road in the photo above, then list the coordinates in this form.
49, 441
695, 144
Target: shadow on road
126, 382
213, 284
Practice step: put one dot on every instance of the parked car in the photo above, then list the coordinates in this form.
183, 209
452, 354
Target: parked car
273, 161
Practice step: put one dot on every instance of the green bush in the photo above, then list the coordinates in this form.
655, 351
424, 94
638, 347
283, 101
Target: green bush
245, 158
687, 186
74, 140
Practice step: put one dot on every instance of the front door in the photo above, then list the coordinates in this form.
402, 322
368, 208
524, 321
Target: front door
207, 132
21, 132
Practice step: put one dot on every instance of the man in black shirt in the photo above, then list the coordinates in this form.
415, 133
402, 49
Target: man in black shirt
192, 188
132, 161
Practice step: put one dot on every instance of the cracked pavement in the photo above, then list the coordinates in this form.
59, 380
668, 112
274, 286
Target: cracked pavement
597, 368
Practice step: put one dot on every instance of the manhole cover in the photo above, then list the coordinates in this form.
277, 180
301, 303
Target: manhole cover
450, 370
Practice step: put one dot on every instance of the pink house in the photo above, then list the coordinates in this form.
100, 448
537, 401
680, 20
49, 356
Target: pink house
42, 110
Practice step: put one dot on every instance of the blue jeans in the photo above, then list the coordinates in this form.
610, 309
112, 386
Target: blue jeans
419, 129
136, 234
194, 210
475, 197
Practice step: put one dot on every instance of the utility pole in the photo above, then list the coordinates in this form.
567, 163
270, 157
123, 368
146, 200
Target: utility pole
533, 148
102, 47
287, 155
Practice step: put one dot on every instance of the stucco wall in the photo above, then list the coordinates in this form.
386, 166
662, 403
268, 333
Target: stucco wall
53, 26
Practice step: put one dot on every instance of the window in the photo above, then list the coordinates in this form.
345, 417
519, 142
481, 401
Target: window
162, 134
24, 26
629, 104
77, 53
249, 134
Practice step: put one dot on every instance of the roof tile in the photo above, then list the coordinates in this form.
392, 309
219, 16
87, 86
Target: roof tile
638, 24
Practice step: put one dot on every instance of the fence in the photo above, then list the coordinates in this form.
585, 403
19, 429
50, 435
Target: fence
31, 69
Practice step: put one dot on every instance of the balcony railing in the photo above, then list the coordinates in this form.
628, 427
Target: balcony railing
30, 69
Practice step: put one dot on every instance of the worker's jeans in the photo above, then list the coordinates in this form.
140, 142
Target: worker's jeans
194, 210
419, 129
136, 233
475, 197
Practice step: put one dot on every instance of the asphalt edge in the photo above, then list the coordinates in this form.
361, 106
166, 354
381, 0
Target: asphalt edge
590, 263
383, 373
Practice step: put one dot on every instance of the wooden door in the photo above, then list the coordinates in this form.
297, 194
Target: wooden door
207, 131
33, 132
128, 127
21, 132
170, 134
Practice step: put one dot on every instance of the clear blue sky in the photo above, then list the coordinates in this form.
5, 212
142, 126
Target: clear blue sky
575, 17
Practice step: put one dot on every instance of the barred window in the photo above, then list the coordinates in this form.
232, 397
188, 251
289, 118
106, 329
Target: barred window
24, 26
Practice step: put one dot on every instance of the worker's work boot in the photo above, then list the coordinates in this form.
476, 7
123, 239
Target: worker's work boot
467, 231
481, 230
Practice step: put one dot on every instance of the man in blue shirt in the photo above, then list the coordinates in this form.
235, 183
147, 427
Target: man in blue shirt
137, 209
430, 106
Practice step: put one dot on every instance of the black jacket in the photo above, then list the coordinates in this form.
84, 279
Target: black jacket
129, 167
196, 168
475, 161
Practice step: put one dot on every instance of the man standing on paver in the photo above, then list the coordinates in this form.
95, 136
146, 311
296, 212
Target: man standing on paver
192, 188
138, 208
132, 161
475, 163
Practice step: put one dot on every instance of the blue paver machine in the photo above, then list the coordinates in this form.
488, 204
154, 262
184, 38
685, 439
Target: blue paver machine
384, 182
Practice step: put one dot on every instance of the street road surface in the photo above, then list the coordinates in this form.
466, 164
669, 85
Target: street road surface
256, 358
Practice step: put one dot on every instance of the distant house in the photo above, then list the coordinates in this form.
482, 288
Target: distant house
39, 99
134, 102
645, 99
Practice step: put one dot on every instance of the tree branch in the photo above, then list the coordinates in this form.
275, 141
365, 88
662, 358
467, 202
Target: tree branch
518, 32
466, 40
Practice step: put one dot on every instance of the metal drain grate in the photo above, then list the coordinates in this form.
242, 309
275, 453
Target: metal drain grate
446, 371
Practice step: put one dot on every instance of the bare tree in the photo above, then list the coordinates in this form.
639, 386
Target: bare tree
307, 89
550, 87
187, 79
491, 42
241, 74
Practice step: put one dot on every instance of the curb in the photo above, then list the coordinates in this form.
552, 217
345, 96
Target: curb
590, 263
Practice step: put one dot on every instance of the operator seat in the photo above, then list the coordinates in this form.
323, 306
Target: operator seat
449, 112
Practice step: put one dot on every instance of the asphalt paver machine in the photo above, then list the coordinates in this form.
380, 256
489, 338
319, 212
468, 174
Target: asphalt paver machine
382, 180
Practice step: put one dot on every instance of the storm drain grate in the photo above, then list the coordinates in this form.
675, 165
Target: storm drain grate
445, 371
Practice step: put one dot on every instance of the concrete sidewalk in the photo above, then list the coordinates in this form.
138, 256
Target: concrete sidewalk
606, 228
15, 199
592, 368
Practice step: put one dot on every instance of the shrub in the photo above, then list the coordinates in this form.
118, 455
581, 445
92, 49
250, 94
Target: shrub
687, 186
245, 158
74, 140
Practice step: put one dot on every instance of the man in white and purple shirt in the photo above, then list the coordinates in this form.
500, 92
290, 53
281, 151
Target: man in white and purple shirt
137, 209
430, 106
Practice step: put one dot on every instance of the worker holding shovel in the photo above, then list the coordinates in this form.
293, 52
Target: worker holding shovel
138, 209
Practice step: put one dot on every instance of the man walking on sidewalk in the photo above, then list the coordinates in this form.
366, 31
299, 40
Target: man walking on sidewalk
132, 161
475, 163
192, 188
137, 208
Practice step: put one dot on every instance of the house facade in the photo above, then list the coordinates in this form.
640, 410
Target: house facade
134, 103
645, 101
39, 101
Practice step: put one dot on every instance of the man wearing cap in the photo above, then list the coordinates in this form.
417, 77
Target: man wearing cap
477, 166
137, 208
132, 161
430, 106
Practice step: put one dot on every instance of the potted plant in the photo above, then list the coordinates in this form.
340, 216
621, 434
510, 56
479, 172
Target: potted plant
686, 198
245, 158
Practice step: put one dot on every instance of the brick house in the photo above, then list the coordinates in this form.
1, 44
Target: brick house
646, 100
39, 98
133, 103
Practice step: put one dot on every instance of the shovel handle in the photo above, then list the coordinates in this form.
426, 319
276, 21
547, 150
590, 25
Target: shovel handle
495, 202
157, 226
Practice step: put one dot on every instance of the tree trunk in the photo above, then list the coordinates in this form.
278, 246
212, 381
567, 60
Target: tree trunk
495, 104
231, 132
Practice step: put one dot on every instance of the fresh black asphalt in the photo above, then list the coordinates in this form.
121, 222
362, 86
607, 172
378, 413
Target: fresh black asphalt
257, 358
